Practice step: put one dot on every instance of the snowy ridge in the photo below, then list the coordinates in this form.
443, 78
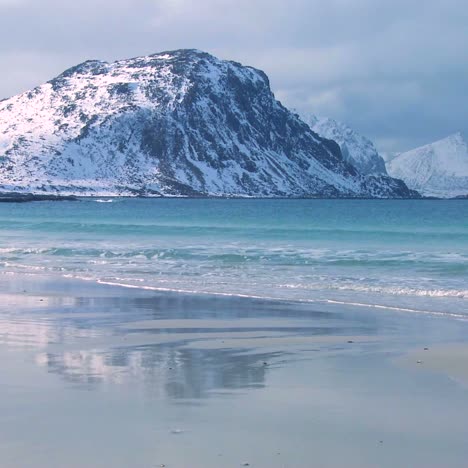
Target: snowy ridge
389, 156
180, 123
356, 149
439, 169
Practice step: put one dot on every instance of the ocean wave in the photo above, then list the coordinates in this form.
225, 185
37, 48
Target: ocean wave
238, 254
362, 296
122, 223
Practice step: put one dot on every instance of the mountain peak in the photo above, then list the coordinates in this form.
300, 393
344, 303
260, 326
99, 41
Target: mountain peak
456, 138
436, 169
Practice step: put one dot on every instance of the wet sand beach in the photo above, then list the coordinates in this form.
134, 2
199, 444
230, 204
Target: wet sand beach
100, 376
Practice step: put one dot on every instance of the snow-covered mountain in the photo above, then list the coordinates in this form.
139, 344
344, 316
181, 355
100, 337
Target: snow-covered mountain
439, 169
356, 149
173, 123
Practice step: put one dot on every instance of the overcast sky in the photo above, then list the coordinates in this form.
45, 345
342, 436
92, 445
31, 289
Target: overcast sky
396, 71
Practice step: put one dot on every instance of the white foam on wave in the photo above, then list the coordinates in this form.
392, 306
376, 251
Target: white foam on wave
187, 291
400, 309
24, 267
317, 283
391, 290
405, 291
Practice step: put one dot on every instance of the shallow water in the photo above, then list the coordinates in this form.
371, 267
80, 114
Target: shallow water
407, 254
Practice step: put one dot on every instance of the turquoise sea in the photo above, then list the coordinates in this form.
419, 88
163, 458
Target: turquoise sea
409, 255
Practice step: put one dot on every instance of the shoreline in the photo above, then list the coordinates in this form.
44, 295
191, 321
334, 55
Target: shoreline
20, 197
81, 282
185, 380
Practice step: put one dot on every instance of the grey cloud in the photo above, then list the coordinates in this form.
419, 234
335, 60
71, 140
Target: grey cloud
395, 70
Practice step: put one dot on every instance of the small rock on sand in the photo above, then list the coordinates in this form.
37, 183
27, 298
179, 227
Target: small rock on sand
177, 431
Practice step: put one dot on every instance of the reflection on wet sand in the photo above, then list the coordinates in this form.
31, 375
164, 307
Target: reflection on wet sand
162, 370
155, 343
166, 345
170, 346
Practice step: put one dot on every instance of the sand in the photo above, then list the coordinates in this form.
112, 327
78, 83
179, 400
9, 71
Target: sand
449, 360
99, 376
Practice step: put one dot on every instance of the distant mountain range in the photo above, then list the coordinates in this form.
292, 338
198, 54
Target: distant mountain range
356, 149
180, 123
439, 169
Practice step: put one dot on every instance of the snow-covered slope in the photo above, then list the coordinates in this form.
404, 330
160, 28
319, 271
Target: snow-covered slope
356, 149
173, 123
439, 169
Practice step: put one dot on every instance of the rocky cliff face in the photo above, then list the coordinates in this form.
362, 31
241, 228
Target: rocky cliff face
175, 123
439, 169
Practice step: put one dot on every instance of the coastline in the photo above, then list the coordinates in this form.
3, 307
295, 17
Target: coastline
21, 197
207, 381
18, 197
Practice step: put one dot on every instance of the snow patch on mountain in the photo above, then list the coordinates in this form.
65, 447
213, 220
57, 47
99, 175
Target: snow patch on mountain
439, 169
